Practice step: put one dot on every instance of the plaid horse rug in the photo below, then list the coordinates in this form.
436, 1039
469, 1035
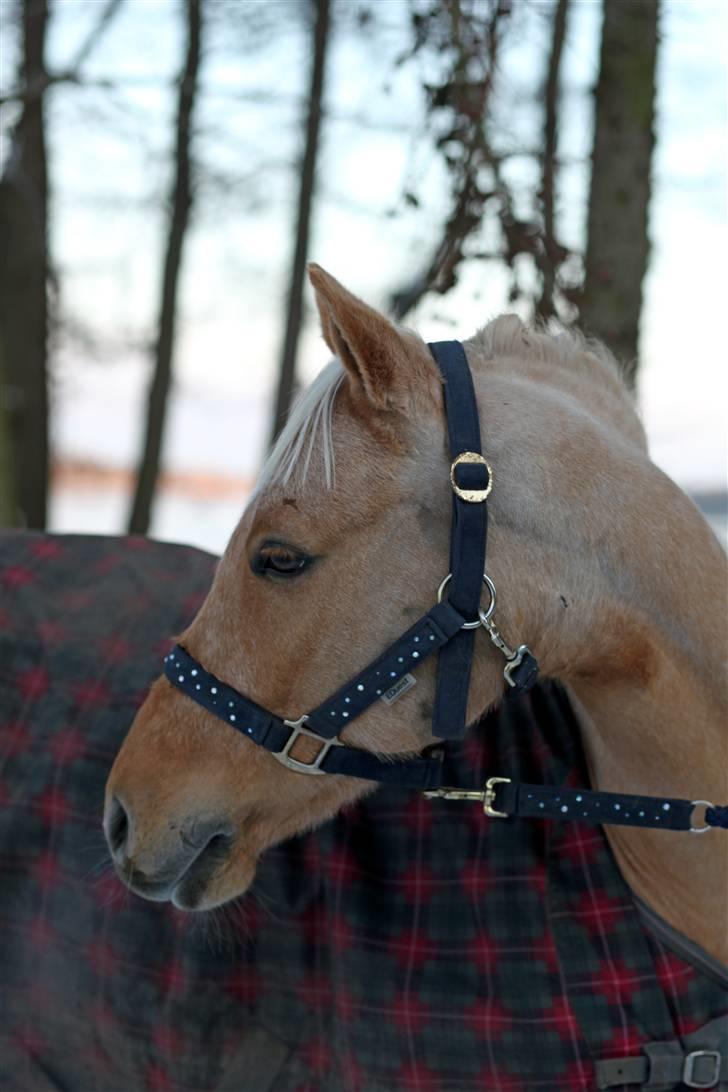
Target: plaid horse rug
406, 946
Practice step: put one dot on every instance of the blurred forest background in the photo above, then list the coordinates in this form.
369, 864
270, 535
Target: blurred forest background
168, 167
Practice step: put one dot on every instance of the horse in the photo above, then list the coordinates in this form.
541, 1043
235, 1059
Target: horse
603, 566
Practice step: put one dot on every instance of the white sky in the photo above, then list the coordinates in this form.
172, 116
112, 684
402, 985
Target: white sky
114, 147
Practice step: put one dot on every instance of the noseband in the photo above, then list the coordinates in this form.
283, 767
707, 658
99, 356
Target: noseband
448, 629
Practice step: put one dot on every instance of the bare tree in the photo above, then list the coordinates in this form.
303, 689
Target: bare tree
180, 206
24, 268
294, 311
617, 250
8, 504
552, 253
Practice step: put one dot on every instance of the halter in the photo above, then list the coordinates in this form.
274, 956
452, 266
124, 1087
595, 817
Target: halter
448, 629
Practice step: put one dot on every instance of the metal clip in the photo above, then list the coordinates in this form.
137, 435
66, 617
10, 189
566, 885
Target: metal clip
521, 652
486, 796
495, 636
455, 794
514, 656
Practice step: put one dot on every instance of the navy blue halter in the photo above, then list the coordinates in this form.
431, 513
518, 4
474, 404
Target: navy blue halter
448, 629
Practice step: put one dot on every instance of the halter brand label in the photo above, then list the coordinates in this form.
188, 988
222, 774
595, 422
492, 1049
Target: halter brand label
401, 687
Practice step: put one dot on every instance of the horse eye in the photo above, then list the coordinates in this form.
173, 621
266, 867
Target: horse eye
275, 559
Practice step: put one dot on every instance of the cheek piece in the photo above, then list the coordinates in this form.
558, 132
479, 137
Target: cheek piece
448, 630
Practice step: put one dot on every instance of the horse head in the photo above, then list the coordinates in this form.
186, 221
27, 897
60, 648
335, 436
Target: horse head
344, 544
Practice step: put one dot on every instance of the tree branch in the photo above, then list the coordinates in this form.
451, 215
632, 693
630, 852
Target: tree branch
96, 33
468, 98
36, 88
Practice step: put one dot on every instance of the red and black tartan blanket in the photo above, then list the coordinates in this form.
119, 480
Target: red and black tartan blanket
406, 946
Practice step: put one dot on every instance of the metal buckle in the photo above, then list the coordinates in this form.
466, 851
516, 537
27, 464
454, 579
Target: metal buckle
284, 756
473, 496
691, 1060
489, 797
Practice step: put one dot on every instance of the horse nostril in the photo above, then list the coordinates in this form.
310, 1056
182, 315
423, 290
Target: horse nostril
117, 827
218, 846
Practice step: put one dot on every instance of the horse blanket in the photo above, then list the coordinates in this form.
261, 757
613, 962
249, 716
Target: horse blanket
406, 946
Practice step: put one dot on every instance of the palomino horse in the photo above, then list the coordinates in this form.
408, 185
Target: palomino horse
603, 567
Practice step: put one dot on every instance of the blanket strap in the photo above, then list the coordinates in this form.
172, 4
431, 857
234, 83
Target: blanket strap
702, 1062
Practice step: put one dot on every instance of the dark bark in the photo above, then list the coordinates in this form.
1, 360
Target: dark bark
618, 246
552, 253
181, 205
24, 269
8, 504
294, 313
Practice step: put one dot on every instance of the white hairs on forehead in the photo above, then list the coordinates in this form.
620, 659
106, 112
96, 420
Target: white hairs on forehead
308, 429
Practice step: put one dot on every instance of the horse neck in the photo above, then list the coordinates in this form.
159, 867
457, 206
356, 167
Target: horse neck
622, 600
662, 729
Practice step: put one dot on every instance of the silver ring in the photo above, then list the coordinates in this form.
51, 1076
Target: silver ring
484, 616
701, 830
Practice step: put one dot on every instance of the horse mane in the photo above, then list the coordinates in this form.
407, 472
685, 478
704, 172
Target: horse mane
309, 428
563, 348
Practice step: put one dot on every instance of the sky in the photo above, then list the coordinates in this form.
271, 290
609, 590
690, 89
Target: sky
110, 172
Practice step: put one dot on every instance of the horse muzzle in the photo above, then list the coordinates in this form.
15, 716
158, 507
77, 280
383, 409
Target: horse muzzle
175, 863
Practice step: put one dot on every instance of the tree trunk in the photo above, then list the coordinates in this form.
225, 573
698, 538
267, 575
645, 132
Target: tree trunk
181, 204
552, 252
287, 367
8, 504
24, 266
618, 246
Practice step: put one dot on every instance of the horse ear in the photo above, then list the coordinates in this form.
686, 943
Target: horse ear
383, 362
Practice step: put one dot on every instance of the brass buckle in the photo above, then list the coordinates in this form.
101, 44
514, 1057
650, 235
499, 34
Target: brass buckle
489, 797
473, 496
